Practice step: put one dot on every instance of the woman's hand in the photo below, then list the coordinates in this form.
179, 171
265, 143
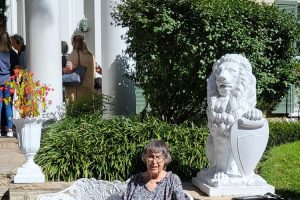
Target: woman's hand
69, 68
98, 69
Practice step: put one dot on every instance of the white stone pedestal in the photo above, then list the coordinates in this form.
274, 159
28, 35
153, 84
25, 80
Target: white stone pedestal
233, 191
29, 135
29, 174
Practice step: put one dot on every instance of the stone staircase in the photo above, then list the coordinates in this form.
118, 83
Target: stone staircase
10, 160
10, 157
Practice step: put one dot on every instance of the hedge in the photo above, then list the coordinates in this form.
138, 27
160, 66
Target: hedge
283, 132
90, 146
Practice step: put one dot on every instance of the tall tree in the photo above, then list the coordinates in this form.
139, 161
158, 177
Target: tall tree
175, 44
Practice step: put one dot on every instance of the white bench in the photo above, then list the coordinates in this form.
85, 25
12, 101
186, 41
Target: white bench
92, 189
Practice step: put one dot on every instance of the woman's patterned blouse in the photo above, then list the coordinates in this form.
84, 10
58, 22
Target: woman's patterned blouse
169, 188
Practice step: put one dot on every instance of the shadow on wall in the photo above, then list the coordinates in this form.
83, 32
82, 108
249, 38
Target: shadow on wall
41, 12
123, 99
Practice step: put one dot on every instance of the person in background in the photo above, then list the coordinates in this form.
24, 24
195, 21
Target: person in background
156, 182
98, 78
14, 64
80, 52
5, 47
98, 71
64, 51
17, 42
98, 67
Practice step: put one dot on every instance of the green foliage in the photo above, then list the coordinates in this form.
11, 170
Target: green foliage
281, 169
283, 132
175, 44
89, 146
85, 105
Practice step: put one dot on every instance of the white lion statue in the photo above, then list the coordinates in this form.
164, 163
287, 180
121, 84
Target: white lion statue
231, 95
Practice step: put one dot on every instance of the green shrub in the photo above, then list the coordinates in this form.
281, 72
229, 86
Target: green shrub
85, 105
89, 146
283, 132
175, 44
281, 169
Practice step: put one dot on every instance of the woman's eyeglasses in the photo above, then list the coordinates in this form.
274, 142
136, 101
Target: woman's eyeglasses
158, 159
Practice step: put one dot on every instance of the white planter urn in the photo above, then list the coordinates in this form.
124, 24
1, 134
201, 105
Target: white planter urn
29, 136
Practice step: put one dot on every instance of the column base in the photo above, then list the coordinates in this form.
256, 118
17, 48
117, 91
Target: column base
32, 174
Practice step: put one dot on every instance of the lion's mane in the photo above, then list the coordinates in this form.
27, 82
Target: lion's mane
223, 111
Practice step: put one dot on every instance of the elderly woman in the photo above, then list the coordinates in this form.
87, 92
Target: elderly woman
156, 182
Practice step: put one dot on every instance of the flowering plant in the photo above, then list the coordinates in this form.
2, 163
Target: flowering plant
30, 95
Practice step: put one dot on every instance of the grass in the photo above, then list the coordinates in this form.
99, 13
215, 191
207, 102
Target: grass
281, 168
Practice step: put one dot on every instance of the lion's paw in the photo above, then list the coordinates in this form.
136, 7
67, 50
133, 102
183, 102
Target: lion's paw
253, 114
220, 175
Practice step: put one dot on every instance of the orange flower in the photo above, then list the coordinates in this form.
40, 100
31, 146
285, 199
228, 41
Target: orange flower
31, 95
16, 71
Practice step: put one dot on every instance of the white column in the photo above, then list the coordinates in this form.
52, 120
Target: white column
97, 26
44, 48
15, 14
71, 12
90, 15
92, 11
21, 26
66, 29
11, 14
114, 85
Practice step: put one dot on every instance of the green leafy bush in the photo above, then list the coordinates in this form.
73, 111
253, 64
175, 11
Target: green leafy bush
175, 44
85, 105
89, 146
283, 132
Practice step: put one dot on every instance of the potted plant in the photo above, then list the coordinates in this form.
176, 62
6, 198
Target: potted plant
30, 101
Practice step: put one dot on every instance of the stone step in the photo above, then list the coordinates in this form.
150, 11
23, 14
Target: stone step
4, 187
8, 143
10, 156
10, 160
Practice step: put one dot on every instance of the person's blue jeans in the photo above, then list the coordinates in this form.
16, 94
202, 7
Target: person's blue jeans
5, 93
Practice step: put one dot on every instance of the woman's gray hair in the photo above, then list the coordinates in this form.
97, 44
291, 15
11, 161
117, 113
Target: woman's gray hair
157, 146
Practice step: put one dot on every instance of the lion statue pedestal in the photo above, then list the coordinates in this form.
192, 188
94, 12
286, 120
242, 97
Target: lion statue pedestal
238, 132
